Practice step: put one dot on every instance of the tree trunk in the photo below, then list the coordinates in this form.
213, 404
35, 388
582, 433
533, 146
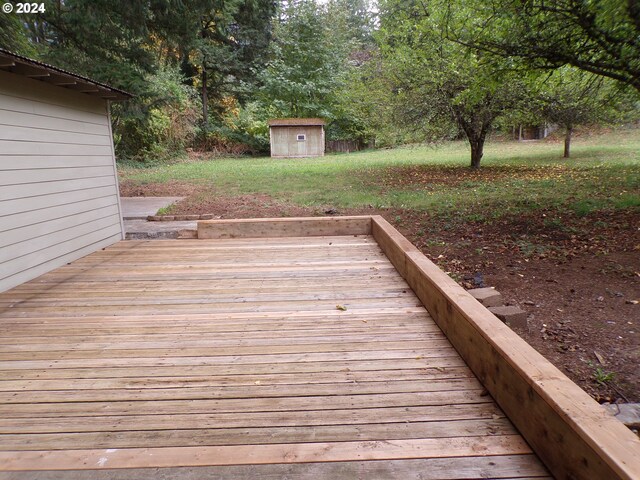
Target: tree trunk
567, 141
520, 132
205, 110
476, 130
477, 147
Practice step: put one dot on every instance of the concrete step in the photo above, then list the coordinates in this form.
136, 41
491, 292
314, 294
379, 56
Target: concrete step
489, 297
511, 315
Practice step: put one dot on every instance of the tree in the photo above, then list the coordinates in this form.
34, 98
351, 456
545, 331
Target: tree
570, 97
110, 41
222, 42
306, 64
139, 46
353, 22
598, 36
440, 86
14, 35
106, 40
121, 42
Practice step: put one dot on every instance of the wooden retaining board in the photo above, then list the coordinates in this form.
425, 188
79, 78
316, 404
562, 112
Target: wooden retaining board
281, 348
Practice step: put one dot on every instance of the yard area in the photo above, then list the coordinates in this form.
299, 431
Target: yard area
560, 238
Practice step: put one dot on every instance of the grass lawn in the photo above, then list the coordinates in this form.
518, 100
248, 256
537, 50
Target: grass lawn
603, 173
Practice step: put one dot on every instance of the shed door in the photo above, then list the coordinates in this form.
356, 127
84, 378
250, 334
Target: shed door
314, 144
299, 141
280, 141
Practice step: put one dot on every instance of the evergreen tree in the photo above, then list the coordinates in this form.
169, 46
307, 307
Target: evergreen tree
222, 42
14, 36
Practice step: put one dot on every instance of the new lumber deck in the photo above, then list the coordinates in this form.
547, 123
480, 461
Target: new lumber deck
278, 348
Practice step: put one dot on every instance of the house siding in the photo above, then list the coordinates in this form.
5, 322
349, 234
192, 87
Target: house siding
58, 182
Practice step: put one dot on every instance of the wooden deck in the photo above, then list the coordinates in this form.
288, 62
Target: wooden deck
297, 357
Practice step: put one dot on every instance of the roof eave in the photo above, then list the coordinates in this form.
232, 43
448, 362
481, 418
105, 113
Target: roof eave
19, 65
296, 122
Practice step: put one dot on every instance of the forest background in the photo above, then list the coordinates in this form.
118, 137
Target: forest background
207, 75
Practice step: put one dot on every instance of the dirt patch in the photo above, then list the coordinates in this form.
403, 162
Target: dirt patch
262, 206
426, 176
240, 206
168, 189
578, 282
577, 277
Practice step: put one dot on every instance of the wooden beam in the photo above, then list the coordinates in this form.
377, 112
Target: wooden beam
60, 80
30, 71
568, 430
284, 227
83, 87
394, 245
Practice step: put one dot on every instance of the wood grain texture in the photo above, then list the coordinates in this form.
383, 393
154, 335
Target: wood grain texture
284, 227
248, 351
564, 425
461, 468
261, 454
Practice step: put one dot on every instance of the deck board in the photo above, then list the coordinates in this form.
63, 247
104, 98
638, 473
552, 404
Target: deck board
226, 353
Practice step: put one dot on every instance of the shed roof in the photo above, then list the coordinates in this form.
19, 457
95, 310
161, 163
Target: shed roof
296, 122
14, 63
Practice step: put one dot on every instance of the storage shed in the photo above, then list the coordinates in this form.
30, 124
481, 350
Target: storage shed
58, 182
296, 137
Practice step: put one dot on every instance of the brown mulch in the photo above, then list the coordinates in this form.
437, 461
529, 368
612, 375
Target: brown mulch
577, 277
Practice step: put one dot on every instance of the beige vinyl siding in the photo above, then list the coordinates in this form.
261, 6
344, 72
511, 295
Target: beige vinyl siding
58, 186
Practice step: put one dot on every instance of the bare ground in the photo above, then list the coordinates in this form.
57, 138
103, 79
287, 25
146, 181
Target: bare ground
577, 277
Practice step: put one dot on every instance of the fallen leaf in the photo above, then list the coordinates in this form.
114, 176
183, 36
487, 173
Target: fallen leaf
341, 308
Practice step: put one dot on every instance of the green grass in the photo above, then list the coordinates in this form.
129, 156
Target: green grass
602, 376
603, 173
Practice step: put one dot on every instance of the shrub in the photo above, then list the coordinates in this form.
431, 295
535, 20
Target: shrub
160, 123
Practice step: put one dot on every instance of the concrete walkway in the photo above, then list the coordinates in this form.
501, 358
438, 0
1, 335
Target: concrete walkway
140, 229
139, 208
135, 211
